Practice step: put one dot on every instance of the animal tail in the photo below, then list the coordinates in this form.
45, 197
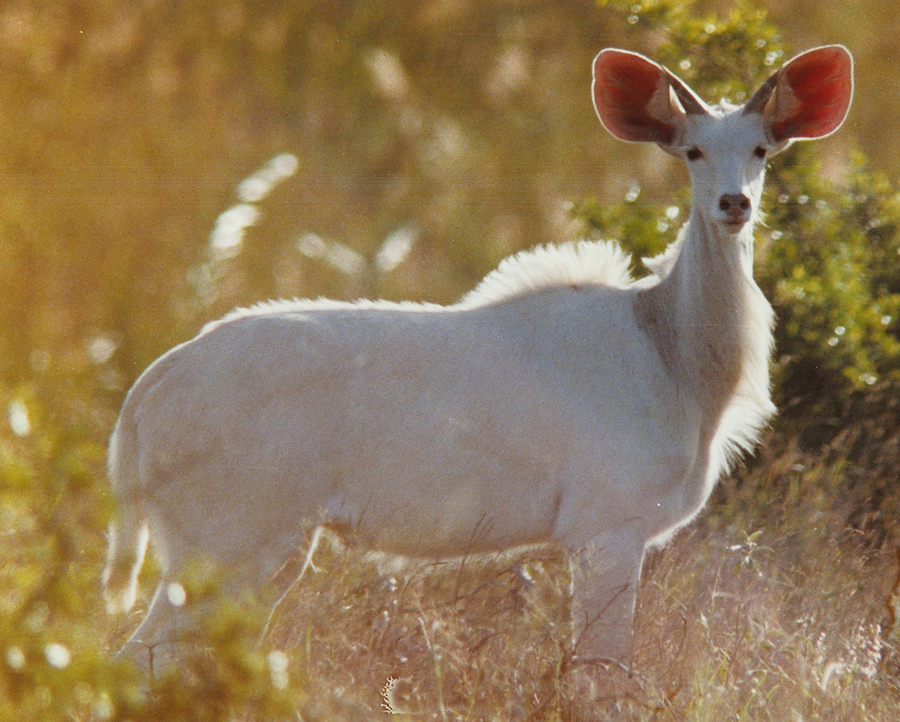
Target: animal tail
129, 531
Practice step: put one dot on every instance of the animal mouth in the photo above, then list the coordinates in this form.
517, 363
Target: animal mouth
734, 225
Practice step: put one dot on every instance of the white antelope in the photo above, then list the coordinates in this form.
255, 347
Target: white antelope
560, 401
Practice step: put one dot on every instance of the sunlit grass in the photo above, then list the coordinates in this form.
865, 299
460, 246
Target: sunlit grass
779, 603
759, 612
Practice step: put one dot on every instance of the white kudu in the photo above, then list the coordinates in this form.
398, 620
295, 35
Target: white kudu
560, 401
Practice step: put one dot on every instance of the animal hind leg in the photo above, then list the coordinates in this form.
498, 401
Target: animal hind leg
153, 644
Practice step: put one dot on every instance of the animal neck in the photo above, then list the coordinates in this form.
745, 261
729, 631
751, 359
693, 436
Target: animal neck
709, 319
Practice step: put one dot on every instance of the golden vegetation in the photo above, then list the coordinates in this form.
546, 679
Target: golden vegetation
424, 141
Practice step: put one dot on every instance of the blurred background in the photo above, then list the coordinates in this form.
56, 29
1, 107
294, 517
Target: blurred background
162, 162
392, 148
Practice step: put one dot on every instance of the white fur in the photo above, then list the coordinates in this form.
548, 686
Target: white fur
558, 401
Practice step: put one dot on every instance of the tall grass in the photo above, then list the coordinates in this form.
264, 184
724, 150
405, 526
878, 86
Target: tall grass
772, 607
779, 603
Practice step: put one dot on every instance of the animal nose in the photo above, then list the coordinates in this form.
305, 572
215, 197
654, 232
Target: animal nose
734, 205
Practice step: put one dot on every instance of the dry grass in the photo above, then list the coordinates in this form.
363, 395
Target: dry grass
781, 603
772, 607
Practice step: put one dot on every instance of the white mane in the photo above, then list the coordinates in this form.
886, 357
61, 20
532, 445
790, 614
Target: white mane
594, 263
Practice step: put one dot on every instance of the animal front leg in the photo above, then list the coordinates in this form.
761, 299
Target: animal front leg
311, 547
605, 577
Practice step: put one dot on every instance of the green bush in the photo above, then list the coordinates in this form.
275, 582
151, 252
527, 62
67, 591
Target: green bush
831, 265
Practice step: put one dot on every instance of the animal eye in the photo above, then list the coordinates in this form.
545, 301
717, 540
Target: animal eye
694, 153
760, 152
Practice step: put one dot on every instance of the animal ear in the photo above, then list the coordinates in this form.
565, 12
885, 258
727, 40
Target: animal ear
638, 100
809, 97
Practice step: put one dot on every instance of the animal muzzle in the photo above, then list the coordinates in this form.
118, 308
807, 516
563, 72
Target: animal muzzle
735, 208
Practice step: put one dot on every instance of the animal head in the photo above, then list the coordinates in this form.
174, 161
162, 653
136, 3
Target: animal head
725, 147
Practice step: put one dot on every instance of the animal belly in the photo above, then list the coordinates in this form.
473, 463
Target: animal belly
435, 515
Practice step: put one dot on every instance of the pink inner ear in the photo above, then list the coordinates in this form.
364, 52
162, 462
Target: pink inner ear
623, 86
822, 82
627, 79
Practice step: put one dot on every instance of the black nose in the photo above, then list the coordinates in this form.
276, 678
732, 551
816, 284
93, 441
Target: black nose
734, 204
